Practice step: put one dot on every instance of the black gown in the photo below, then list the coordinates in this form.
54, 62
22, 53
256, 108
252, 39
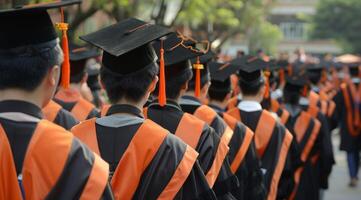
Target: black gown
20, 127
275, 155
169, 117
58, 115
115, 133
248, 173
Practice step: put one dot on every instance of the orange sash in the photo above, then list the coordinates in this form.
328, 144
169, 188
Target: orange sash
353, 115
51, 110
82, 109
128, 172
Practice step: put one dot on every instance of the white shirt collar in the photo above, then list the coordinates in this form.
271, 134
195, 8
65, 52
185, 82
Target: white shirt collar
249, 106
304, 101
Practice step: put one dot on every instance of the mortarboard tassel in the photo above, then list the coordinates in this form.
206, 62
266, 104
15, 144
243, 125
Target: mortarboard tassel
162, 99
304, 91
267, 86
65, 69
282, 76
198, 66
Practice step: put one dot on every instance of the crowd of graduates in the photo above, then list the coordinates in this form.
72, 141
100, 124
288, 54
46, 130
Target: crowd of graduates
142, 112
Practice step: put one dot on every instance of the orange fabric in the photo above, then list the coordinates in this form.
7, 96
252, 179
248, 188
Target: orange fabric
40, 177
68, 95
190, 129
104, 110
352, 125
86, 132
313, 98
284, 117
274, 105
81, 109
263, 132
65, 68
128, 173
181, 174
51, 110
98, 179
303, 121
313, 111
221, 154
232, 103
205, 113
234, 83
272, 192
234, 112
231, 121
9, 186
242, 150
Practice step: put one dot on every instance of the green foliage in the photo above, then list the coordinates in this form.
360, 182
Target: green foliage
339, 20
266, 37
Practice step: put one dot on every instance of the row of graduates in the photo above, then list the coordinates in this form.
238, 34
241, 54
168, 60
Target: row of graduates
184, 149
262, 154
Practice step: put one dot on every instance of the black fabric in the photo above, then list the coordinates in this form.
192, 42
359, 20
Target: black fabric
169, 117
220, 72
123, 108
348, 142
190, 108
75, 174
65, 119
19, 134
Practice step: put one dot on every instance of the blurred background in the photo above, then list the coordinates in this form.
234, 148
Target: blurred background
275, 26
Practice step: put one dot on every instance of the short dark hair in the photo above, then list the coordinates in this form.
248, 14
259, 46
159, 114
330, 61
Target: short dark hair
176, 76
130, 86
250, 89
77, 71
219, 90
291, 97
25, 67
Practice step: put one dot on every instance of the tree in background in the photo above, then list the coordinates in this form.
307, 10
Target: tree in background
339, 20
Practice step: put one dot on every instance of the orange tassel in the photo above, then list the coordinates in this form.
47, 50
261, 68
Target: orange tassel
305, 91
282, 76
65, 70
267, 86
162, 99
197, 90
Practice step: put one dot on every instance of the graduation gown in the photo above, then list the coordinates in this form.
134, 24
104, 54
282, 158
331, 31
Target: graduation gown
272, 143
323, 159
348, 115
306, 130
242, 154
72, 101
146, 162
55, 113
326, 107
196, 133
40, 160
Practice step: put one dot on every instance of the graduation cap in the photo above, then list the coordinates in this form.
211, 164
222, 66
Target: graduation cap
250, 68
78, 57
34, 20
176, 49
296, 84
127, 49
220, 75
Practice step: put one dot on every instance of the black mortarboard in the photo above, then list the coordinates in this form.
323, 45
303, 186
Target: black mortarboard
204, 59
176, 49
78, 58
221, 71
250, 68
295, 83
28, 24
126, 45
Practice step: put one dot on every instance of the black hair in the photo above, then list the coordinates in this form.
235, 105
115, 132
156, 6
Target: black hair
219, 90
250, 88
25, 67
176, 76
314, 77
131, 87
291, 94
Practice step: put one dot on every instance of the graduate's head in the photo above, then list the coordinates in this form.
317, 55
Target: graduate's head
129, 69
221, 88
178, 51
201, 64
294, 89
314, 73
79, 57
30, 55
251, 78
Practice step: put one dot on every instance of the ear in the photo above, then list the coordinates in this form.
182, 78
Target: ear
53, 76
153, 84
